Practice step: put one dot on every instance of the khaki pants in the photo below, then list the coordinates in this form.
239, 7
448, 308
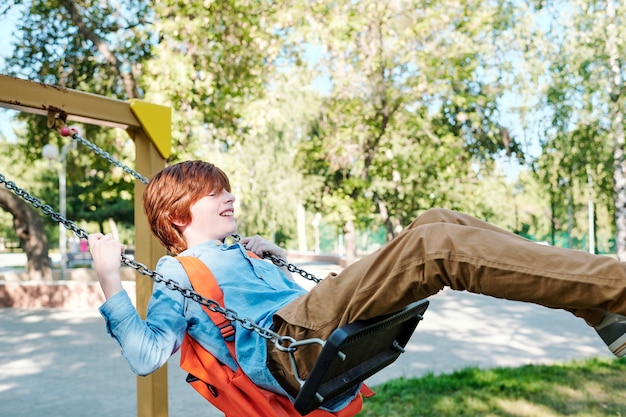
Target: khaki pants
443, 248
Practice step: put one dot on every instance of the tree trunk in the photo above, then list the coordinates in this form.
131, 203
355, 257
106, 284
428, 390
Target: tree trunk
350, 242
29, 228
384, 215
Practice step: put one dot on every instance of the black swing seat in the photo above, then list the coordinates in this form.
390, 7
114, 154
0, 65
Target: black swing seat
355, 352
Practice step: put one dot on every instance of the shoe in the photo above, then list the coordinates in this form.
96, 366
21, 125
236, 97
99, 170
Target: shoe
612, 330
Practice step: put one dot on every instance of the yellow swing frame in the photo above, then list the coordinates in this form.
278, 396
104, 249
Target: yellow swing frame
149, 125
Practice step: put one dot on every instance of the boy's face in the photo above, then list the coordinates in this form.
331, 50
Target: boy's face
212, 218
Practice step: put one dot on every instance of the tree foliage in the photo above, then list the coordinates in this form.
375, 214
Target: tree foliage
409, 106
210, 60
579, 82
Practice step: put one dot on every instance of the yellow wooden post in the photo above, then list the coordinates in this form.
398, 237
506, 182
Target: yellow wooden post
151, 145
150, 127
152, 389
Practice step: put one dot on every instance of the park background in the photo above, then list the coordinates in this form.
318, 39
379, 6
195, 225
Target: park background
338, 122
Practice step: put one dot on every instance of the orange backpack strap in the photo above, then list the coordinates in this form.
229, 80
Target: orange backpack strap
204, 283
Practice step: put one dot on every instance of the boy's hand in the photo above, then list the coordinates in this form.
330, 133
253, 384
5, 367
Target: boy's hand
260, 246
106, 252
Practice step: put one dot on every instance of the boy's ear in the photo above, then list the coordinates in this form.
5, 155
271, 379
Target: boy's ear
176, 222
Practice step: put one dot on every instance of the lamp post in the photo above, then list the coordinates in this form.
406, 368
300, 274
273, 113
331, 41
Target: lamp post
51, 153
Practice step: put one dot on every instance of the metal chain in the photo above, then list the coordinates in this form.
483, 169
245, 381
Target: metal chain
108, 157
282, 343
291, 267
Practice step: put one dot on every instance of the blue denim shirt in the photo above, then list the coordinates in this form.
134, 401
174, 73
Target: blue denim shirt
254, 288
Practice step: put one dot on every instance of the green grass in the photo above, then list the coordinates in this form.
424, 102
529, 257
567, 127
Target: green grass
594, 387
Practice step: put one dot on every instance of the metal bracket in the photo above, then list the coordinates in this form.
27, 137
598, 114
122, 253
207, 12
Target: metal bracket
56, 119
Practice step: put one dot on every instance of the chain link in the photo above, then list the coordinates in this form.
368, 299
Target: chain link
280, 262
291, 267
108, 157
45, 208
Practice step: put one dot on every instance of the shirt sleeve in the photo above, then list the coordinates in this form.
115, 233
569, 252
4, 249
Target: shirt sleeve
146, 344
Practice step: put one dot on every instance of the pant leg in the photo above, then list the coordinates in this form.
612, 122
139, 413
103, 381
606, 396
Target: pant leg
445, 248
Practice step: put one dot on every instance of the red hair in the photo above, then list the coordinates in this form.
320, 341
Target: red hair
170, 194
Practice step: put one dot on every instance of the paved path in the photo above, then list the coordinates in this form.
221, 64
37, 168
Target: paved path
61, 363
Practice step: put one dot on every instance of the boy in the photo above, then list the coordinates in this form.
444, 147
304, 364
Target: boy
190, 209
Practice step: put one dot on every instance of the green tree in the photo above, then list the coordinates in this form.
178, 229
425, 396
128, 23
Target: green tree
210, 61
579, 78
411, 104
91, 47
